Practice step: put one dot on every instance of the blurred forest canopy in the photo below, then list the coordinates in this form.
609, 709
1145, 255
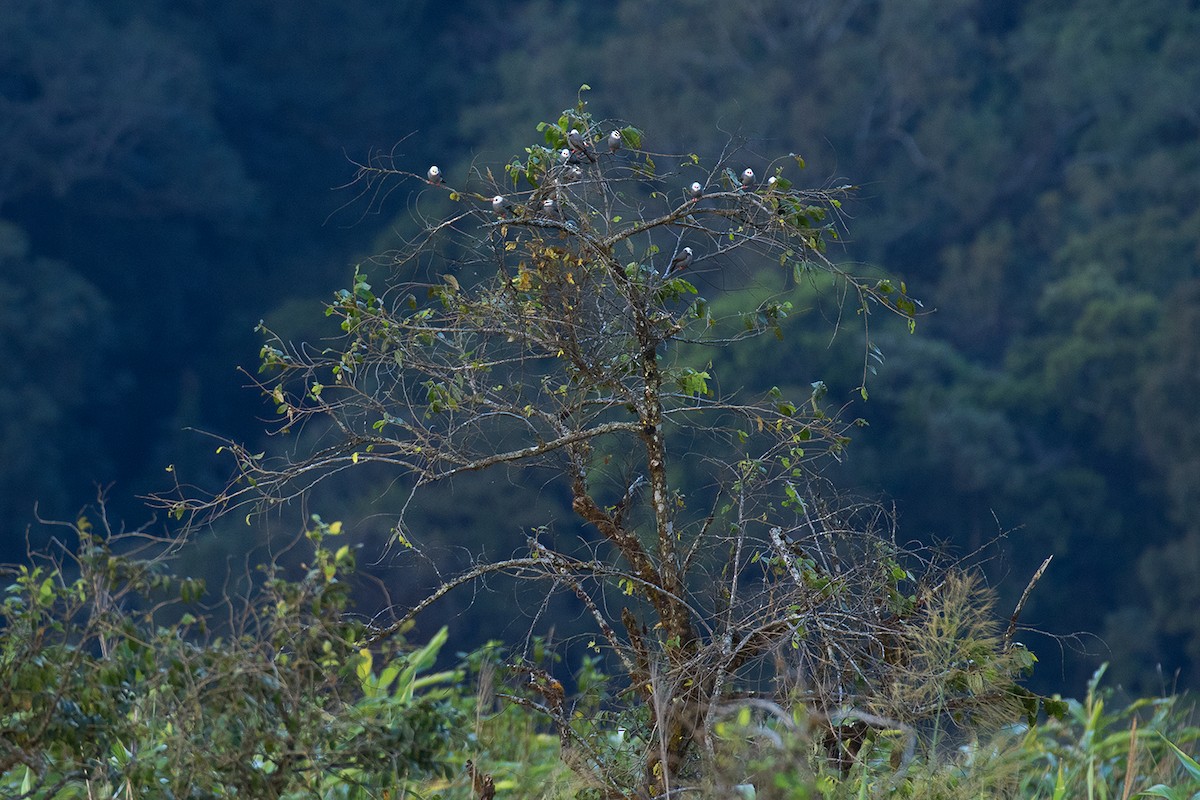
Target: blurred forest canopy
1031, 170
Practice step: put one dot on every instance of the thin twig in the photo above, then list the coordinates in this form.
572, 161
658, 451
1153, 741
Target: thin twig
1012, 623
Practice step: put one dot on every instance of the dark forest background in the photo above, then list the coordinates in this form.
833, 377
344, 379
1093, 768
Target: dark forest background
168, 176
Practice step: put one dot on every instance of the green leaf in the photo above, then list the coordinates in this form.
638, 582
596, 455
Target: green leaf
363, 669
694, 383
419, 660
1060, 785
1161, 790
46, 592
1187, 761
388, 675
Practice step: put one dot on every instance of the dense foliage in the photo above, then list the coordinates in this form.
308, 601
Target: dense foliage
118, 684
104, 697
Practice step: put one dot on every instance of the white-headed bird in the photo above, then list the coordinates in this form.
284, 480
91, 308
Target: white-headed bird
680, 262
578, 145
434, 175
747, 179
697, 190
614, 141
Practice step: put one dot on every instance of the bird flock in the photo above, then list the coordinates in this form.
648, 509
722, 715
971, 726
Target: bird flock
572, 157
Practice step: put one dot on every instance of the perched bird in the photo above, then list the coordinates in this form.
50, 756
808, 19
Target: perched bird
697, 190
771, 181
578, 145
574, 172
549, 207
680, 262
501, 205
747, 178
614, 141
434, 175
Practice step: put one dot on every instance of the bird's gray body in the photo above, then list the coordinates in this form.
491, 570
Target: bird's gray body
680, 262
579, 145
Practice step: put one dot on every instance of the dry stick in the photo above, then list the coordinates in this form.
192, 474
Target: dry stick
1131, 761
1012, 623
785, 555
606, 630
727, 635
473, 574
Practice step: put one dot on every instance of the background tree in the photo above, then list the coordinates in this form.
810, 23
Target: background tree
56, 334
550, 322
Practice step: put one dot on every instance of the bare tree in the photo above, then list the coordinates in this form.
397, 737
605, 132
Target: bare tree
554, 321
